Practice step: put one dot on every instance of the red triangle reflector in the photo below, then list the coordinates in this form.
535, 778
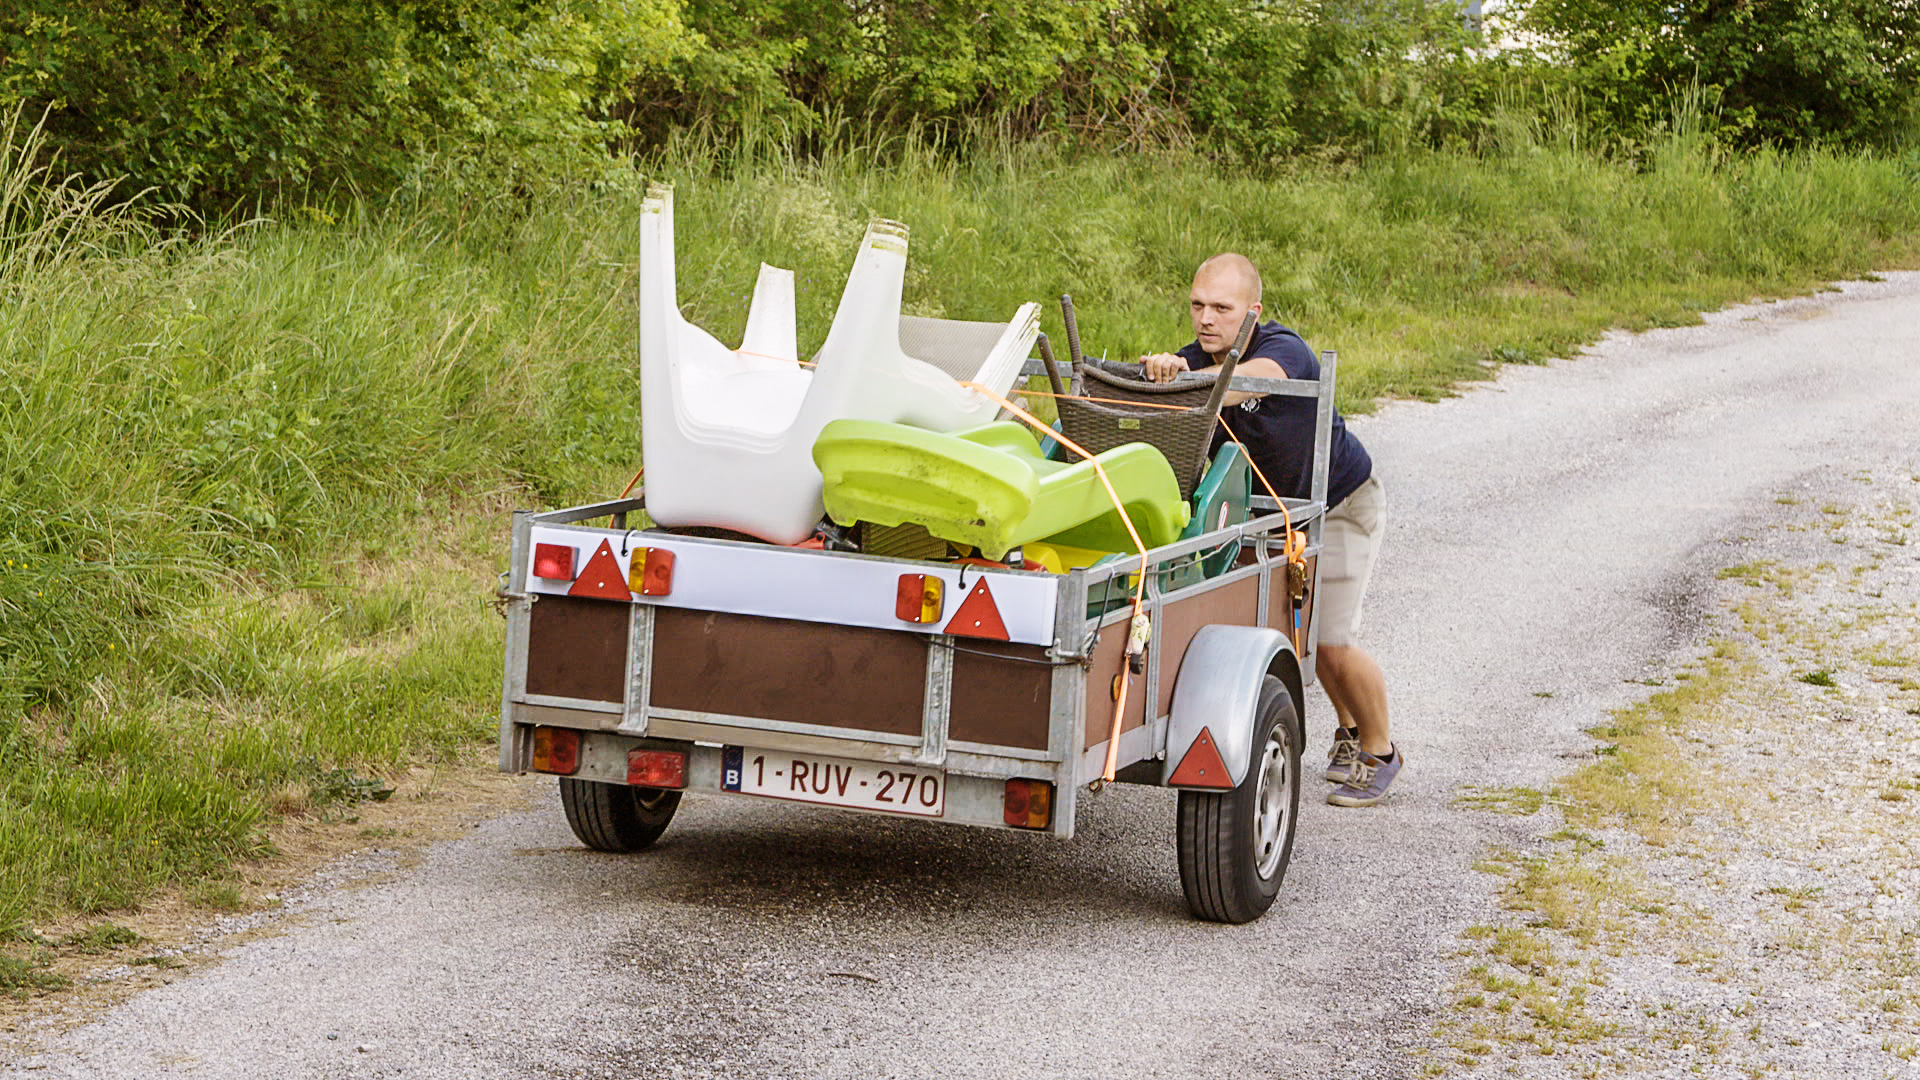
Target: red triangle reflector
978, 616
601, 577
1202, 766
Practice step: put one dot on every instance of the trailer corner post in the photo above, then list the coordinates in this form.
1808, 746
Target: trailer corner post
937, 710
634, 716
1322, 437
515, 610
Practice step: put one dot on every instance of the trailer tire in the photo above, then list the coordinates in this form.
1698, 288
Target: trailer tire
1235, 845
615, 817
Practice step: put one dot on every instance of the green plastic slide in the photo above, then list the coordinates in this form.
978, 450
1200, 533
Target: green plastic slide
990, 487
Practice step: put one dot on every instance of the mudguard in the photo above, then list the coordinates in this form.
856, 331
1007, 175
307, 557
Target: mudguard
1214, 698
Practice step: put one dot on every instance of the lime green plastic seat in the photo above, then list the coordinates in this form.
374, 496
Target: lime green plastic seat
1222, 498
989, 487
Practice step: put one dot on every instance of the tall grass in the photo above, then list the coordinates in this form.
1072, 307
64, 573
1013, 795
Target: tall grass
252, 483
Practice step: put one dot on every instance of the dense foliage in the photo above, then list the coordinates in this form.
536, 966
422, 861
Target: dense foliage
1247, 82
230, 103
224, 102
1788, 72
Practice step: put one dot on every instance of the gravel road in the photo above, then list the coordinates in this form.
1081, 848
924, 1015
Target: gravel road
1554, 530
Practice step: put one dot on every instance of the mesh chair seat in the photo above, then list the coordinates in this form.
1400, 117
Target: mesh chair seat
955, 346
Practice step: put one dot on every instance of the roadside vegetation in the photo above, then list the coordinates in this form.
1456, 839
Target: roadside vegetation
271, 376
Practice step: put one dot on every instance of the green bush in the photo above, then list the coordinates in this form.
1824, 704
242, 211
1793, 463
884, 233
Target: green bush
1244, 82
1788, 73
1262, 82
226, 104
809, 63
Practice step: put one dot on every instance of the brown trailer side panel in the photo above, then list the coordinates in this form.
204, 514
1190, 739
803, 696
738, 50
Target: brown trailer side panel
1237, 604
577, 648
781, 669
1109, 657
1001, 699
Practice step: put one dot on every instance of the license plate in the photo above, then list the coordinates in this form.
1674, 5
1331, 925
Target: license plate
864, 785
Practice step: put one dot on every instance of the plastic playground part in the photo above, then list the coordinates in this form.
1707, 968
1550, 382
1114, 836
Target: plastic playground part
727, 434
862, 373
990, 487
1060, 558
1223, 497
771, 332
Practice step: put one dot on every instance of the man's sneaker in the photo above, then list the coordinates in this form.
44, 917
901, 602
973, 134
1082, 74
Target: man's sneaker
1367, 780
1346, 751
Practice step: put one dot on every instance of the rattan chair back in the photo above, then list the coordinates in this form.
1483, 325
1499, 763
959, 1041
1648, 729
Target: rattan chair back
1111, 406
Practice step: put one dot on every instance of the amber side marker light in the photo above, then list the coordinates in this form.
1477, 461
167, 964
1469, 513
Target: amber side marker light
650, 572
556, 750
1028, 804
657, 768
919, 598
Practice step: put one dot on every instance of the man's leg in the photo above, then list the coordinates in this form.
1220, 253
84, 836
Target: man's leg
1351, 678
1358, 690
1350, 540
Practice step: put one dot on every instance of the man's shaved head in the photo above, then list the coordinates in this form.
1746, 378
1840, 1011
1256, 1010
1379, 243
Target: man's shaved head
1226, 289
1228, 266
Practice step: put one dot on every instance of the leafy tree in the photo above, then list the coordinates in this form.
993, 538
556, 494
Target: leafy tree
1247, 79
218, 102
1788, 72
923, 60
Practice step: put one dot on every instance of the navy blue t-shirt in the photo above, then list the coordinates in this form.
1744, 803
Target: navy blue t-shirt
1278, 429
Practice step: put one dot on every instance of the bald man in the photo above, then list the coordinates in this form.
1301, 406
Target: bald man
1278, 434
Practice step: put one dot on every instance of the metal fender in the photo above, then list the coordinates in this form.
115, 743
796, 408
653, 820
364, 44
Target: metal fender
1214, 698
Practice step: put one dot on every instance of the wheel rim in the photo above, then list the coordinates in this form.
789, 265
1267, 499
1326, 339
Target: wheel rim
650, 798
1271, 807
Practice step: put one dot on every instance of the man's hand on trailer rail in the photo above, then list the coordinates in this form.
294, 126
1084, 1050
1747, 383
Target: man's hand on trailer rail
1166, 367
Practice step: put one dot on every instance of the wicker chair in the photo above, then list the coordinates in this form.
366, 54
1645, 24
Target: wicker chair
1183, 434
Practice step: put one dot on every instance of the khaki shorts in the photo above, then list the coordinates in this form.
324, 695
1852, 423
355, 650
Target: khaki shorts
1349, 541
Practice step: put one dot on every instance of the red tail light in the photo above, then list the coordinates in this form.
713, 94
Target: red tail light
656, 768
556, 750
553, 562
1028, 804
1016, 803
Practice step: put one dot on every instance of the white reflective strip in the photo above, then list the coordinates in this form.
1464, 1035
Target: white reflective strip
814, 586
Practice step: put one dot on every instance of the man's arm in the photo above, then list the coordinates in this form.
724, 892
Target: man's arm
1164, 367
1259, 367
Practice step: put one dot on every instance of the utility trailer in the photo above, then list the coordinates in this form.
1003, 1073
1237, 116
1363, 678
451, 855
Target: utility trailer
643, 663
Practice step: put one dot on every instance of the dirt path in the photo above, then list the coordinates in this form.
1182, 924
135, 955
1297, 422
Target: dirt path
1555, 540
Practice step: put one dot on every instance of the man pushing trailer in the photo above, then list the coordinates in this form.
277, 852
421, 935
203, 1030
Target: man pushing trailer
1278, 434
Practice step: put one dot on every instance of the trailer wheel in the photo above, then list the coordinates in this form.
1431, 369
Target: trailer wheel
615, 817
1234, 845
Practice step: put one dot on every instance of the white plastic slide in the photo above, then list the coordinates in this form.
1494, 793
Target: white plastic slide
728, 434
